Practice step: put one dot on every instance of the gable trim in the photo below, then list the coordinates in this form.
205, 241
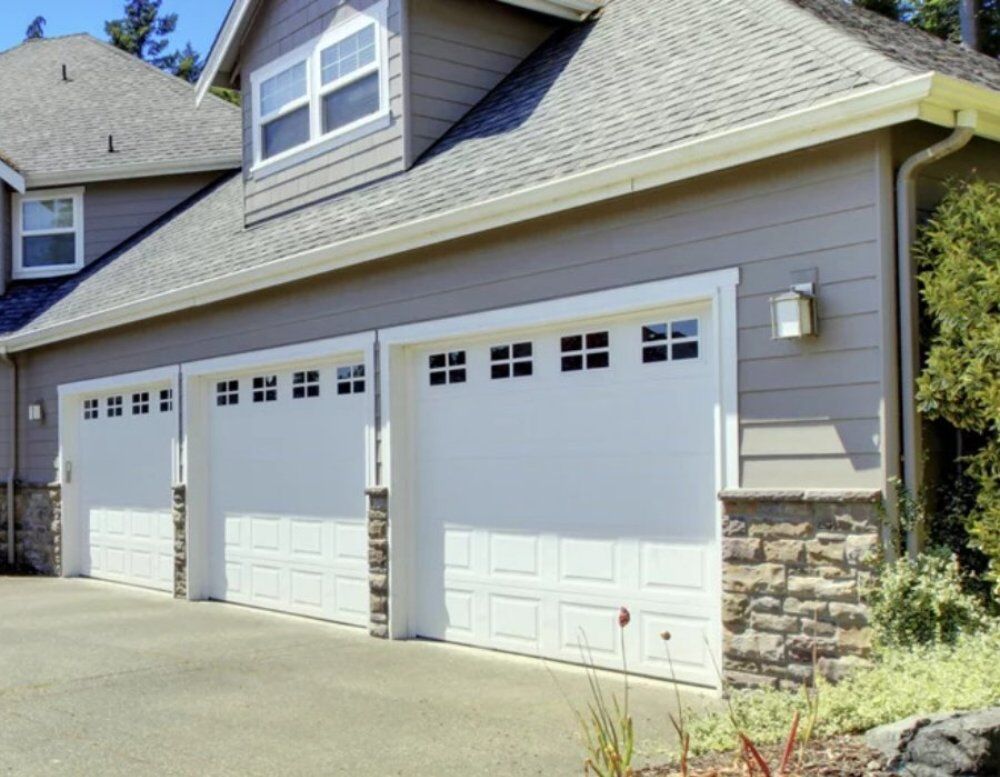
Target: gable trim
12, 178
137, 170
927, 97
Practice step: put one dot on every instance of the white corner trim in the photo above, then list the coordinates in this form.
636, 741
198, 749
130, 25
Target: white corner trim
315, 350
121, 382
137, 170
867, 110
11, 177
626, 299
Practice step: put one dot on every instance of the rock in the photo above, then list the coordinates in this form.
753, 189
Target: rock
761, 578
741, 549
961, 743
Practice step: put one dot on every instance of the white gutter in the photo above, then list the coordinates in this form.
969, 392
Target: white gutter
865, 111
11, 177
137, 170
12, 469
909, 315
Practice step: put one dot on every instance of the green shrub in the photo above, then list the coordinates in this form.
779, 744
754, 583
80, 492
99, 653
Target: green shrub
928, 679
959, 253
922, 601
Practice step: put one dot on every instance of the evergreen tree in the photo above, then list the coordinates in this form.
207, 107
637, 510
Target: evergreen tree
36, 29
941, 18
143, 32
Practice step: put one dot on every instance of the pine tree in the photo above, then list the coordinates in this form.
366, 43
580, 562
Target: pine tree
36, 29
143, 32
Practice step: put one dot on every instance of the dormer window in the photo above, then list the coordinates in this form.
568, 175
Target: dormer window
329, 92
48, 233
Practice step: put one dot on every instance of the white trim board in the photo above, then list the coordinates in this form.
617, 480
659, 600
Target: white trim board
135, 170
118, 382
300, 352
929, 97
11, 177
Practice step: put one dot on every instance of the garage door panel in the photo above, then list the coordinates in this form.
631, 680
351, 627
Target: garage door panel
545, 502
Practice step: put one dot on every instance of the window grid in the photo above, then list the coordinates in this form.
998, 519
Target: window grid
513, 360
91, 409
675, 340
305, 385
351, 380
265, 388
49, 233
591, 351
227, 392
114, 406
140, 403
446, 368
166, 400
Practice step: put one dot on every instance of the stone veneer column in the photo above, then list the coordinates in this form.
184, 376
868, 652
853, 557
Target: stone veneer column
378, 561
793, 565
38, 528
179, 514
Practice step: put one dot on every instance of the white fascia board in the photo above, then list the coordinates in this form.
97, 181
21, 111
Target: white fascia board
231, 29
574, 10
868, 110
12, 178
139, 170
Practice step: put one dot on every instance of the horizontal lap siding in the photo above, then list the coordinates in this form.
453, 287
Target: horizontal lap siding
459, 51
282, 26
809, 410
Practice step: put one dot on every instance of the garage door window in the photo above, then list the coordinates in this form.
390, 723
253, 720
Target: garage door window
511, 361
91, 409
585, 351
670, 341
305, 384
114, 406
351, 380
446, 368
166, 400
265, 389
227, 392
140, 403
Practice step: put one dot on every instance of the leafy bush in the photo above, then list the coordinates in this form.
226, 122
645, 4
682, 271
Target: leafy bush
922, 680
923, 601
959, 253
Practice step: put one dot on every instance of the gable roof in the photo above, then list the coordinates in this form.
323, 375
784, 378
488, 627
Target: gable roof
222, 57
56, 131
652, 91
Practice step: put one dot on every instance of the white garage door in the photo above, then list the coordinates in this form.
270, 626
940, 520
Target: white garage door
124, 469
562, 474
287, 490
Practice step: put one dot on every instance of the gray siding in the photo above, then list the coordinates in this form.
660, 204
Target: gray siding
113, 211
280, 27
5, 237
459, 50
809, 411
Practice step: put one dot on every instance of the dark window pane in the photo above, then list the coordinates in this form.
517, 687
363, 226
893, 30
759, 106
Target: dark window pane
456, 358
572, 343
685, 351
654, 353
597, 361
522, 369
359, 371
359, 387
499, 352
343, 373
312, 376
436, 361
438, 378
47, 250
687, 328
343, 388
572, 363
352, 102
597, 340
498, 371
522, 350
653, 332
298, 392
312, 391
456, 376
286, 132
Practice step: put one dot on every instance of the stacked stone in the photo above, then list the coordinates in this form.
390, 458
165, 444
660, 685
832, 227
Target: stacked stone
794, 565
38, 528
179, 515
378, 561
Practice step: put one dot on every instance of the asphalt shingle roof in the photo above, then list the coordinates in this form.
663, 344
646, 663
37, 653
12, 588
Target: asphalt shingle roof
51, 126
646, 75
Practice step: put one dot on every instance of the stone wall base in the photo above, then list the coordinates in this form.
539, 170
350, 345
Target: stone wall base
794, 564
179, 514
37, 529
378, 561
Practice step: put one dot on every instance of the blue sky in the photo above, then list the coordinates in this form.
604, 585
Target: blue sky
197, 20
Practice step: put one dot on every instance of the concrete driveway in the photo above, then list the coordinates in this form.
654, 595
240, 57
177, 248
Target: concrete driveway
98, 679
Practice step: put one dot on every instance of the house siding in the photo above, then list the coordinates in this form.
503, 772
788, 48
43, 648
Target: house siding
282, 26
809, 410
458, 51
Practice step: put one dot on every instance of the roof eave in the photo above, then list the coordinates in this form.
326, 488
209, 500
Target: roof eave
130, 171
11, 177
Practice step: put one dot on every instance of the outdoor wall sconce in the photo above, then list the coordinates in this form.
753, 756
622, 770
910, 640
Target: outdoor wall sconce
793, 314
35, 411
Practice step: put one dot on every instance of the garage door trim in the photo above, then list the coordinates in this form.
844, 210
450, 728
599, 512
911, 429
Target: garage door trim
71, 396
716, 288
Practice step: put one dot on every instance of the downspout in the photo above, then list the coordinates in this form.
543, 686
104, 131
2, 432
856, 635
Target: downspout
7, 359
909, 320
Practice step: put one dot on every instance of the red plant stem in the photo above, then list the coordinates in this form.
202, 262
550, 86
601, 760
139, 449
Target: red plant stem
756, 756
790, 744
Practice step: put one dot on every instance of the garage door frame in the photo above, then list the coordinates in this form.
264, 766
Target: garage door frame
717, 288
71, 397
198, 378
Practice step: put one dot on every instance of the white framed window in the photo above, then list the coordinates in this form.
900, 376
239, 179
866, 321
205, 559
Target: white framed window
265, 388
305, 385
444, 368
91, 409
351, 380
330, 91
591, 351
670, 341
140, 403
512, 360
48, 233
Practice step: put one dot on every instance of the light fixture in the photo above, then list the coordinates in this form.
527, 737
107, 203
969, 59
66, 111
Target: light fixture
35, 411
793, 314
